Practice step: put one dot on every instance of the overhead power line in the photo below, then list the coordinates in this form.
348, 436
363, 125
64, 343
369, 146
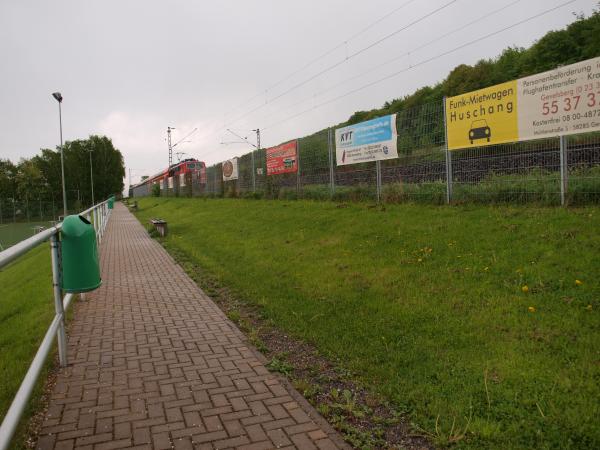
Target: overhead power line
323, 55
186, 136
425, 61
338, 63
396, 58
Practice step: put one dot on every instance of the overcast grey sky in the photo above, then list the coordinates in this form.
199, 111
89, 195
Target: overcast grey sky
129, 69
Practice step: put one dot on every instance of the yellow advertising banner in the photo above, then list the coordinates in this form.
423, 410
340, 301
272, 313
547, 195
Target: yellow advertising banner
484, 117
562, 101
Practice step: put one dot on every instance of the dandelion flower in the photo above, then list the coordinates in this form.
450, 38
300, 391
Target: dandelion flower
486, 269
578, 282
531, 309
525, 288
588, 307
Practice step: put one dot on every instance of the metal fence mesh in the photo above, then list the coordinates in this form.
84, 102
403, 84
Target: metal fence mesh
533, 171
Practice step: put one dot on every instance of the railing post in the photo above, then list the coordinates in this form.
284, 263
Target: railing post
95, 222
448, 159
99, 214
61, 335
564, 173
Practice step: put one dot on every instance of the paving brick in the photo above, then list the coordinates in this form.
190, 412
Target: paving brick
326, 444
304, 442
161, 441
278, 437
142, 436
155, 364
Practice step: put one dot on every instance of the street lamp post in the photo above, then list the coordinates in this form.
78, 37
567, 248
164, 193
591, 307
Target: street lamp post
59, 99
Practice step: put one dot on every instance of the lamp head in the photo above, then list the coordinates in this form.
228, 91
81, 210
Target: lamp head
57, 96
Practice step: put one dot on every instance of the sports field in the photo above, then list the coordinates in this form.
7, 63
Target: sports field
11, 233
478, 322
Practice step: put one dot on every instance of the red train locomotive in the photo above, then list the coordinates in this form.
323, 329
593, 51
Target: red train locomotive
180, 174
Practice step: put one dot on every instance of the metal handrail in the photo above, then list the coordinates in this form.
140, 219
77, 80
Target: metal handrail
100, 214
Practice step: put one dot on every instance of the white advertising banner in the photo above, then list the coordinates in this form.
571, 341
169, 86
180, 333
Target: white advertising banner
561, 101
230, 169
554, 103
372, 140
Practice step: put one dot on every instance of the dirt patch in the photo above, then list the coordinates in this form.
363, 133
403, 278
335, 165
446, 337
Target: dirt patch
365, 419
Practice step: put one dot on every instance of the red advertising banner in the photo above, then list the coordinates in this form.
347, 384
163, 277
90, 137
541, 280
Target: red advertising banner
282, 159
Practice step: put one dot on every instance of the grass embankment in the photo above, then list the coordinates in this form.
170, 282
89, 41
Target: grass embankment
425, 304
26, 311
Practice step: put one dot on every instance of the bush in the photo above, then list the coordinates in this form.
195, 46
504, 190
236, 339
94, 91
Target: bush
155, 190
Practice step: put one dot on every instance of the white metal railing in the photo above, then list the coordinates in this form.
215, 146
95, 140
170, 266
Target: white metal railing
98, 215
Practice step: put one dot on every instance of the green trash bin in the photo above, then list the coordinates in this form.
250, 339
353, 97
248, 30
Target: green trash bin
79, 255
111, 202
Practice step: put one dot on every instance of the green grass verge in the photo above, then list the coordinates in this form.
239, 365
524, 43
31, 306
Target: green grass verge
26, 311
426, 304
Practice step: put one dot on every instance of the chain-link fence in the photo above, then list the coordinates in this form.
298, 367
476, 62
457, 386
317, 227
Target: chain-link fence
546, 171
39, 209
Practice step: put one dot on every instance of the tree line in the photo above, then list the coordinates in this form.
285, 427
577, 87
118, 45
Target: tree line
39, 177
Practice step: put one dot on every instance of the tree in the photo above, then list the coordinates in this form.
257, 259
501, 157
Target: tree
8, 172
41, 175
29, 180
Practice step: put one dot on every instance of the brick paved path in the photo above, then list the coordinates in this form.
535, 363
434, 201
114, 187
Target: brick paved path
154, 364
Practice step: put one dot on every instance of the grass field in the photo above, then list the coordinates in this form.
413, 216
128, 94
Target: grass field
26, 310
467, 318
11, 233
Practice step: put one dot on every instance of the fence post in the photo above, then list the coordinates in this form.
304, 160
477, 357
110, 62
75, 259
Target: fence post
14, 210
298, 168
331, 173
0, 211
564, 172
378, 179
215, 180
58, 304
448, 160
